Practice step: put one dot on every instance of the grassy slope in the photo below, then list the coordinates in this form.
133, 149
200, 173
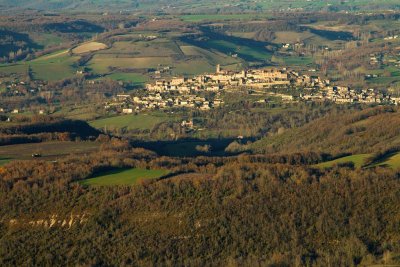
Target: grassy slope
357, 159
124, 177
392, 161
55, 66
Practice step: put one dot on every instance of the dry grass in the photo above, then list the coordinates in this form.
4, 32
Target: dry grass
89, 47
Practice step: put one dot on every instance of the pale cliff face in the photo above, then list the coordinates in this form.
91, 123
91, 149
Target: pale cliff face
51, 221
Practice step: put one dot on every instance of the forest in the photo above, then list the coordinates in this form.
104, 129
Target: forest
232, 211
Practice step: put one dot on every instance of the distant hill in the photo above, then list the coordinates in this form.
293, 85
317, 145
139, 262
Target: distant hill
195, 6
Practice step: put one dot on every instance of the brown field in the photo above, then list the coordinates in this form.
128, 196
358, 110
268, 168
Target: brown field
89, 47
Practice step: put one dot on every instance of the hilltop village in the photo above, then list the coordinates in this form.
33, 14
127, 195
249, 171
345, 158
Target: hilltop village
204, 92
191, 92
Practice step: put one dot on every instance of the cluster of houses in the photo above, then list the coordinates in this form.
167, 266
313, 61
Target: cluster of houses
184, 92
128, 104
20, 88
344, 94
223, 79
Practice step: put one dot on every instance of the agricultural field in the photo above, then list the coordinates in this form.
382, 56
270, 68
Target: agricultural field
4, 161
291, 37
84, 112
16, 69
48, 150
213, 57
89, 47
47, 39
130, 122
155, 48
183, 59
133, 78
292, 60
101, 63
123, 177
52, 67
358, 160
391, 161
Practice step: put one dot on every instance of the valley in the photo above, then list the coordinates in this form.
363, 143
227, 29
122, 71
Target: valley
199, 133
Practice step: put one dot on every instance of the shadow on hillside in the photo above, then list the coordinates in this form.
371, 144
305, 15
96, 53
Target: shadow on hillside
189, 147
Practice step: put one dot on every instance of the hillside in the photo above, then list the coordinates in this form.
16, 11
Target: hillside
364, 131
237, 214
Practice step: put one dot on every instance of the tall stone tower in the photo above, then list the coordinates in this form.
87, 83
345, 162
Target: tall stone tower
218, 68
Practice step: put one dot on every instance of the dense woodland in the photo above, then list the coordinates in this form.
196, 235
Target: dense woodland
223, 211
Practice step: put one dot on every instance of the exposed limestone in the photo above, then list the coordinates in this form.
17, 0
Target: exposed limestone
52, 221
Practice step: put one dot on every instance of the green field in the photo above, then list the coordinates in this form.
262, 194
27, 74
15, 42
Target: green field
212, 57
17, 69
134, 78
358, 161
47, 39
140, 121
4, 161
52, 67
155, 48
124, 177
101, 63
392, 161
